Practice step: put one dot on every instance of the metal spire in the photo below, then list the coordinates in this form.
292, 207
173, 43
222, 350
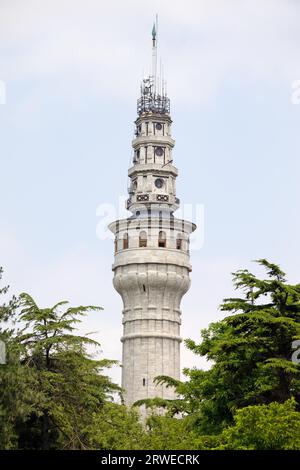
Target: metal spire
154, 53
153, 88
154, 34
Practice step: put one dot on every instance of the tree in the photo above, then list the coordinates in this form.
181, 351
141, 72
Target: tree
54, 395
15, 383
251, 352
167, 433
115, 427
67, 385
264, 427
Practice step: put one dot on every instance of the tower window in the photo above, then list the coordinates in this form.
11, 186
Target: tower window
159, 182
144, 382
158, 126
125, 241
179, 243
116, 245
143, 239
162, 239
159, 151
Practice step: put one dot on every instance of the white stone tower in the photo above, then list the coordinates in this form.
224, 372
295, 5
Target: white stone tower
151, 267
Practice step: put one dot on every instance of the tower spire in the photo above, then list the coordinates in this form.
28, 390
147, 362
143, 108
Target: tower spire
153, 88
154, 54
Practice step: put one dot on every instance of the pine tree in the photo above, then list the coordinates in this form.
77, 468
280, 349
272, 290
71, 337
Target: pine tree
50, 386
15, 383
69, 383
250, 350
263, 427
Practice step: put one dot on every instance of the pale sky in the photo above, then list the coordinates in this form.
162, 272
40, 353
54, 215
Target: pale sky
72, 71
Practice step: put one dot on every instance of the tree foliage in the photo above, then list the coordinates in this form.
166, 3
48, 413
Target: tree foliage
250, 350
15, 382
55, 395
51, 386
269, 427
115, 427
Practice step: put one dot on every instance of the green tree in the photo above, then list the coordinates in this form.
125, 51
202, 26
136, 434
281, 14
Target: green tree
250, 350
264, 427
275, 426
70, 385
167, 433
115, 427
63, 385
15, 383
54, 394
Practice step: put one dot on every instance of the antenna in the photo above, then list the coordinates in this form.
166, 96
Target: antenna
154, 88
154, 53
160, 74
157, 79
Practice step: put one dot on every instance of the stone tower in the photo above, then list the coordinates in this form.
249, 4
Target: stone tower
151, 266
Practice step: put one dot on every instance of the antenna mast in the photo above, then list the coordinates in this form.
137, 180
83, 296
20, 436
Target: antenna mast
154, 89
154, 53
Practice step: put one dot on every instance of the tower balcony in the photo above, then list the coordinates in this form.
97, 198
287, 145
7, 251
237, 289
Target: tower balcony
145, 168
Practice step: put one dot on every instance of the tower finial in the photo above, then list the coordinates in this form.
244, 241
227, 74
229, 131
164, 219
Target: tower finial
153, 89
154, 35
154, 54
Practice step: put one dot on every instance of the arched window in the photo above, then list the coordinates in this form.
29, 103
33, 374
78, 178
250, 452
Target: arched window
162, 239
143, 239
179, 242
125, 241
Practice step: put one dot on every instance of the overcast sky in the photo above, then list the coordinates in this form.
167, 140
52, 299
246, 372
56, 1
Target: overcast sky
72, 71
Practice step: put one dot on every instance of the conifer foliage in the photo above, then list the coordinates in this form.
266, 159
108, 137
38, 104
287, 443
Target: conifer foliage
57, 384
250, 349
55, 395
